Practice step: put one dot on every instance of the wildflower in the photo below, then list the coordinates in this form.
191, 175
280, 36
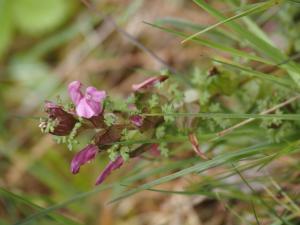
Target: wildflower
83, 157
112, 165
149, 83
194, 141
64, 122
87, 105
137, 120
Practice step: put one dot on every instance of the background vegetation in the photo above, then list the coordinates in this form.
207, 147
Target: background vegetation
241, 69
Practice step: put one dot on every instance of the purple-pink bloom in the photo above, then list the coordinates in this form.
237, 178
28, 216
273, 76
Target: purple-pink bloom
83, 157
137, 120
149, 83
112, 165
88, 104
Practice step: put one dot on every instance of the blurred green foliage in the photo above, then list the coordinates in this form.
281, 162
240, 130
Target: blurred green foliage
31, 17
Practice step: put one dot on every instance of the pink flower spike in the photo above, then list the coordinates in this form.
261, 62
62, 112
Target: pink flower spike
112, 165
194, 141
83, 157
87, 105
149, 83
74, 91
137, 120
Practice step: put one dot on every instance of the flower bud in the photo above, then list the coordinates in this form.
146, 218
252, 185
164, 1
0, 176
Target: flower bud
111, 166
64, 122
83, 157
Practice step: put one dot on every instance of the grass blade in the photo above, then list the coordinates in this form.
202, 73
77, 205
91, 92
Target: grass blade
22, 200
257, 43
255, 9
50, 209
215, 45
200, 167
272, 78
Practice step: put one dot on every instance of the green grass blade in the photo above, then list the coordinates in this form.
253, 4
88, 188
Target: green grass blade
22, 200
188, 25
258, 43
50, 209
216, 45
200, 167
230, 115
44, 212
269, 77
255, 9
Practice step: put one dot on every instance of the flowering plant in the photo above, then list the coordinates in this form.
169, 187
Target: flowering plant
133, 121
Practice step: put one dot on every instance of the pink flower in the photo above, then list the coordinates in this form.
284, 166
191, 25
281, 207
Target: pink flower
89, 104
112, 165
83, 157
137, 120
194, 141
149, 83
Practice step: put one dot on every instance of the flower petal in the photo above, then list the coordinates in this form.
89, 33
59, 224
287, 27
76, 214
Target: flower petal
97, 96
74, 92
149, 83
82, 157
95, 106
88, 109
112, 165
